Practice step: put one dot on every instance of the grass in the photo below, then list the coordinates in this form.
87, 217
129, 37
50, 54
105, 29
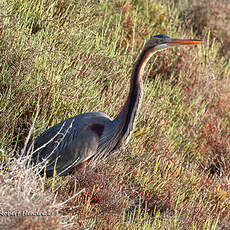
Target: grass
62, 58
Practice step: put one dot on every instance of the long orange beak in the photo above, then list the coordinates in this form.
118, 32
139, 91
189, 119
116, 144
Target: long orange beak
176, 42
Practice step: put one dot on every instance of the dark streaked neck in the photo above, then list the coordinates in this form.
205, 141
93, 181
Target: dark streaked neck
125, 120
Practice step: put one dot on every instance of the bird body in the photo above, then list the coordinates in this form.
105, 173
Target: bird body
94, 135
68, 141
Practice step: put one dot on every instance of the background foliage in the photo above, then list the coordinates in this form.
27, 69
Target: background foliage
62, 58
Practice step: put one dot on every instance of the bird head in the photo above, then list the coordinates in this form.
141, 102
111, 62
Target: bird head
160, 41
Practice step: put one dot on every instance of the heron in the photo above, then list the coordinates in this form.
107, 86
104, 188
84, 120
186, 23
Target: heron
93, 135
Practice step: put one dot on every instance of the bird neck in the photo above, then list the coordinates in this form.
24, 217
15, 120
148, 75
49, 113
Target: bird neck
125, 120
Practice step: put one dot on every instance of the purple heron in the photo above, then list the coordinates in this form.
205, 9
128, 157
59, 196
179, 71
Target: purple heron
94, 135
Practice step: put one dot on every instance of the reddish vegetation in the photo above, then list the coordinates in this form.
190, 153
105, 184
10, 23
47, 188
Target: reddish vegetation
100, 194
